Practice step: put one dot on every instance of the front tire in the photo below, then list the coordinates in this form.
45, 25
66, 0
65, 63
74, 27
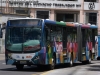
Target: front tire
29, 65
71, 61
90, 58
19, 67
88, 61
52, 66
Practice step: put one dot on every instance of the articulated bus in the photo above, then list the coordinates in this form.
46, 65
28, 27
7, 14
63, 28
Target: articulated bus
98, 46
41, 42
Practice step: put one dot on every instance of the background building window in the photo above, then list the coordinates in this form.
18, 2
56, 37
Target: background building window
42, 14
93, 18
65, 17
67, 0
69, 17
60, 17
90, 0
22, 11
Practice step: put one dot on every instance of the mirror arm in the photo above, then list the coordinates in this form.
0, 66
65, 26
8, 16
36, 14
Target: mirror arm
3, 28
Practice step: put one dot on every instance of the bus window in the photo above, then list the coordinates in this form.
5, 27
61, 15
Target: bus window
83, 37
52, 33
86, 36
74, 35
47, 32
68, 34
59, 34
56, 34
90, 35
94, 33
64, 37
71, 34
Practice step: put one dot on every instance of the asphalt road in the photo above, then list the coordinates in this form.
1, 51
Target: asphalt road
77, 69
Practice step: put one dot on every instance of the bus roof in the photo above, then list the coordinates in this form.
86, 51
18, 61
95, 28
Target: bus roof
89, 26
22, 18
70, 24
60, 23
47, 21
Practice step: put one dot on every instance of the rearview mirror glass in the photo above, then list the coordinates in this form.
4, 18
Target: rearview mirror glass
1, 33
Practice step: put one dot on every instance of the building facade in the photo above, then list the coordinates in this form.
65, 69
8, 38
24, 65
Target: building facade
83, 11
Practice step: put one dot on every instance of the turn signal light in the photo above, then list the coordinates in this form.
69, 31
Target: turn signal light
28, 56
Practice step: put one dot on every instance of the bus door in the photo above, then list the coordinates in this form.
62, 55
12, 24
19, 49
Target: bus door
47, 31
94, 43
55, 42
70, 38
86, 43
65, 33
83, 41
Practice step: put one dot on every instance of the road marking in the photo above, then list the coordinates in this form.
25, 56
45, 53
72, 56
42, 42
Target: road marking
80, 71
34, 74
37, 73
3, 63
45, 73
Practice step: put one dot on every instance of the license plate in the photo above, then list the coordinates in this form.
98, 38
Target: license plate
23, 62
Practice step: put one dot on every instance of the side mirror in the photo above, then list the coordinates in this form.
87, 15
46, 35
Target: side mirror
1, 33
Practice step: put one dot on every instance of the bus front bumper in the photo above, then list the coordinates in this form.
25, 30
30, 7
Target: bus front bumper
25, 59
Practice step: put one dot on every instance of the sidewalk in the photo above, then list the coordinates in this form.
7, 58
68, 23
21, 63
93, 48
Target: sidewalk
2, 56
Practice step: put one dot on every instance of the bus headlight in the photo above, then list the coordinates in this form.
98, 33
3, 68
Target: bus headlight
9, 55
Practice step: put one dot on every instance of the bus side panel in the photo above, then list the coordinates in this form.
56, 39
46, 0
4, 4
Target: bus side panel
94, 40
86, 44
54, 49
79, 41
72, 45
55, 45
49, 54
50, 45
98, 48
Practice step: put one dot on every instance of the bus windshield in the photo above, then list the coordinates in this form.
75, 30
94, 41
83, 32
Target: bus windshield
23, 38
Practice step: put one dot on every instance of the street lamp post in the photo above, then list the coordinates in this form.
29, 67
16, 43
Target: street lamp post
1, 6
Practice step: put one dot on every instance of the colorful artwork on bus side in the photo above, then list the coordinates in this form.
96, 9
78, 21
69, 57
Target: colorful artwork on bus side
96, 46
71, 47
44, 56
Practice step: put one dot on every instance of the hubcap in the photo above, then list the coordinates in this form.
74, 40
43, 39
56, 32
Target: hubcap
53, 62
71, 62
89, 59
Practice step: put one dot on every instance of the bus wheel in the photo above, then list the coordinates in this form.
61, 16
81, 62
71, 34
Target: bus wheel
19, 67
71, 61
89, 61
29, 65
52, 66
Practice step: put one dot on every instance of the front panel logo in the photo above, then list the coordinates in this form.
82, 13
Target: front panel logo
91, 6
22, 57
17, 56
